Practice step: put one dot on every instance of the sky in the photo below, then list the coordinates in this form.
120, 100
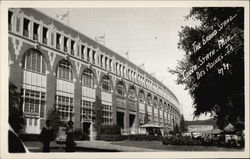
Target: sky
150, 35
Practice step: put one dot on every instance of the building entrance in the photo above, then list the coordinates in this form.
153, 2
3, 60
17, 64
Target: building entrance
32, 125
131, 120
132, 124
86, 130
120, 119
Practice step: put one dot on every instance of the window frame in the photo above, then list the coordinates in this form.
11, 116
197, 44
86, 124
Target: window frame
107, 83
88, 79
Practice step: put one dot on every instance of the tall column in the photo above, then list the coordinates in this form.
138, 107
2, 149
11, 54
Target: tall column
137, 116
126, 117
163, 120
51, 92
91, 56
98, 97
77, 103
114, 112
31, 27
153, 114
159, 118
146, 110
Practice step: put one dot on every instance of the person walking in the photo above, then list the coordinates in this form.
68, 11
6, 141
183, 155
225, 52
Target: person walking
70, 144
46, 136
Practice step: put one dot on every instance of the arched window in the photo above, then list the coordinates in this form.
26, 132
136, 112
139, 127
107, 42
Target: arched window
149, 99
88, 78
131, 93
64, 71
141, 96
165, 106
33, 99
106, 84
155, 101
160, 103
34, 61
120, 89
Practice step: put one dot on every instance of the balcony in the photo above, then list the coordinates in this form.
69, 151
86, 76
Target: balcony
45, 40
26, 33
35, 37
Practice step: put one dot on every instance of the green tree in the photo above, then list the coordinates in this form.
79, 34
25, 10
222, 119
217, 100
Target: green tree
183, 127
176, 129
54, 117
214, 92
16, 119
98, 119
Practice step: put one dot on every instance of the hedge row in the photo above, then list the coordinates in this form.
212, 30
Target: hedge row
138, 137
180, 141
175, 140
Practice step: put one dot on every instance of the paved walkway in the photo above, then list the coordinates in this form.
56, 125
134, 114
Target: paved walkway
109, 146
88, 146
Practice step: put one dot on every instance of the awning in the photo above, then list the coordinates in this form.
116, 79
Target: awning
150, 126
216, 131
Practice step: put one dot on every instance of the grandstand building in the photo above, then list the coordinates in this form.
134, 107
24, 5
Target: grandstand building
54, 65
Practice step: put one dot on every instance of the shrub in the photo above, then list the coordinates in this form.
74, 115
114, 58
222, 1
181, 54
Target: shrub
110, 130
137, 137
79, 135
112, 137
179, 140
142, 137
55, 121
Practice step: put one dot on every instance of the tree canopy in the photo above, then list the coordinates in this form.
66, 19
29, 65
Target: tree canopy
213, 65
16, 119
183, 126
55, 120
98, 119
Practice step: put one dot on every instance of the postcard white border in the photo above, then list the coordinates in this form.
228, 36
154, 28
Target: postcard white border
107, 4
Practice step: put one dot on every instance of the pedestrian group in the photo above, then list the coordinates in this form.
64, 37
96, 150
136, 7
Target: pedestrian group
47, 135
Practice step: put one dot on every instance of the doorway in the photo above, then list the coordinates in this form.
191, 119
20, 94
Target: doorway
86, 130
131, 120
120, 120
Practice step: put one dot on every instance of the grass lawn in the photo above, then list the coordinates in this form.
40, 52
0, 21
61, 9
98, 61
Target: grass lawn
36, 146
159, 146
